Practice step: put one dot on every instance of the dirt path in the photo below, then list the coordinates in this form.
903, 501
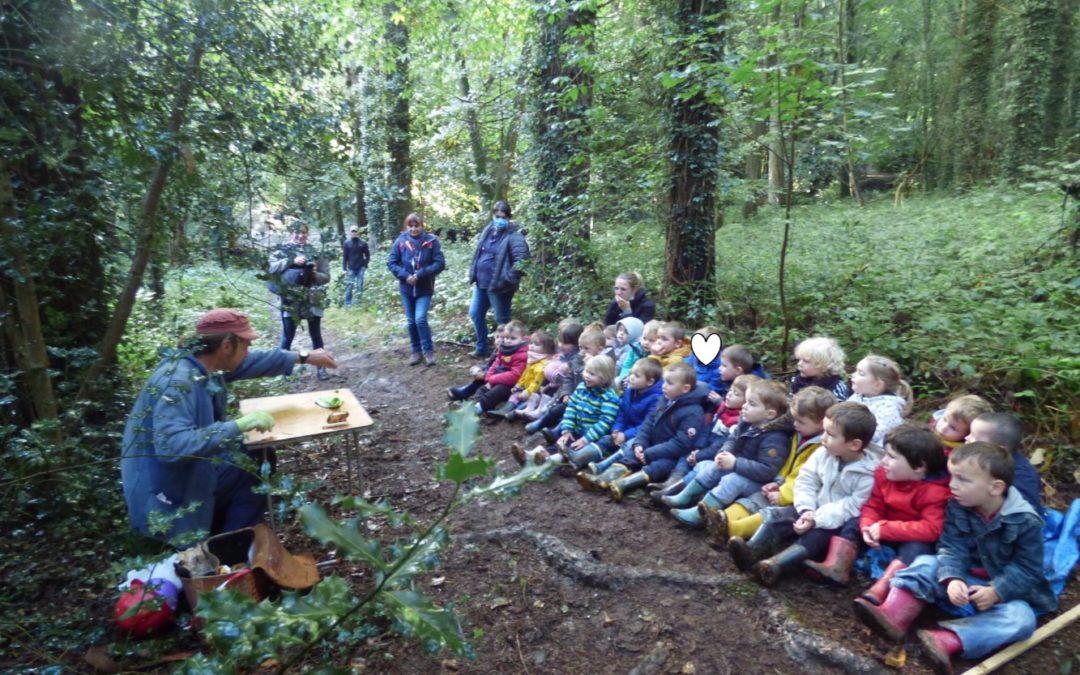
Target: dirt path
558, 580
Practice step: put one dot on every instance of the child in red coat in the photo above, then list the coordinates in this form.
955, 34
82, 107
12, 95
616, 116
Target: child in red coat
495, 385
906, 508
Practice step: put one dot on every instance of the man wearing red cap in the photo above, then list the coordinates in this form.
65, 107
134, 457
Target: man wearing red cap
178, 427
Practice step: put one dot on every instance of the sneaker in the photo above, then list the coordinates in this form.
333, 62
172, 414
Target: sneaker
429, 359
479, 354
322, 374
415, 360
453, 393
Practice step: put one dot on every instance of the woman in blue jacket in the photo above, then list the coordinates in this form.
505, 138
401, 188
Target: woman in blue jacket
415, 259
496, 271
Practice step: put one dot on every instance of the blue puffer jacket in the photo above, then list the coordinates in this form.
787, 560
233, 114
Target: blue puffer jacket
635, 406
709, 374
670, 429
425, 259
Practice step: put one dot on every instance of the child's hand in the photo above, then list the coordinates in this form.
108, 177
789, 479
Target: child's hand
579, 443
770, 487
726, 461
773, 497
618, 437
957, 591
691, 459
713, 397
565, 399
639, 453
565, 438
983, 597
872, 535
805, 523
479, 377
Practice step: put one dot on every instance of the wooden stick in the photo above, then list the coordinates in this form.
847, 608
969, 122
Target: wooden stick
1016, 649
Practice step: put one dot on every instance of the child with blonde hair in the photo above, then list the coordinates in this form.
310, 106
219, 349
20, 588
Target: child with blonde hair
953, 424
820, 364
878, 384
588, 416
527, 390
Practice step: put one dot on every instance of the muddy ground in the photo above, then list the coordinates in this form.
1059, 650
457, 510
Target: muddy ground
557, 580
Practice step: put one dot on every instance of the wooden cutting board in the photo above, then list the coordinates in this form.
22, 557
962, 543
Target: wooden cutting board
297, 417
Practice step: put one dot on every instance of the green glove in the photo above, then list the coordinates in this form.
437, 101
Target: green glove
263, 421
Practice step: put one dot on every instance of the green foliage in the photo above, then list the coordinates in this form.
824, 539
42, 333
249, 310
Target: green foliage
245, 633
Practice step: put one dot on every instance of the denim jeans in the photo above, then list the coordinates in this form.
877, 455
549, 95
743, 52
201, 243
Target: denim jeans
354, 278
980, 632
416, 322
288, 331
482, 300
731, 486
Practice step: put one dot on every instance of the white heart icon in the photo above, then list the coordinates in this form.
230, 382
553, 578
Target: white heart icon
706, 349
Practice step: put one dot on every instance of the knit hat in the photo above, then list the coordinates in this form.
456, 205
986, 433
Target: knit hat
218, 321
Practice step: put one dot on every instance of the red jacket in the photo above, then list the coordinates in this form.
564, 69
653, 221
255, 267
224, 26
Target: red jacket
507, 366
912, 510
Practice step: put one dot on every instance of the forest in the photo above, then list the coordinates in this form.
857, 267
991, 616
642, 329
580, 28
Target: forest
901, 175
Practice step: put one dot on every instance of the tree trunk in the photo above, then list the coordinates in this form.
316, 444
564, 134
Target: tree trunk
1034, 51
397, 90
564, 77
846, 52
1061, 73
694, 151
480, 178
972, 162
354, 87
21, 321
147, 224
753, 169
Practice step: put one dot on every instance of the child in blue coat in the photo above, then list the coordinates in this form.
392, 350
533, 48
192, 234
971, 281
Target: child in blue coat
638, 399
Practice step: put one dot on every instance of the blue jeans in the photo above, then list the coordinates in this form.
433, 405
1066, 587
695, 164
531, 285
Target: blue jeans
288, 331
979, 632
352, 278
482, 300
416, 310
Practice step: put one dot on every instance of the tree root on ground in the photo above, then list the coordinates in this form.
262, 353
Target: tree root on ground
812, 651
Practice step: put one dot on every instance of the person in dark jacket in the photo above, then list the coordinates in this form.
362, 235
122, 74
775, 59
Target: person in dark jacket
630, 300
496, 271
354, 261
416, 257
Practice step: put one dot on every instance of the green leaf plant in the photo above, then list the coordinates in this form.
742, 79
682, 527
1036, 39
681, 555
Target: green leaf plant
244, 633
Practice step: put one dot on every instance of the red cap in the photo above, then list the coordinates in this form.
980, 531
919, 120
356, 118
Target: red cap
225, 321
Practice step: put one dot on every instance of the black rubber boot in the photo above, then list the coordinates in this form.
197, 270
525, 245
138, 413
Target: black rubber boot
746, 552
666, 489
770, 570
623, 485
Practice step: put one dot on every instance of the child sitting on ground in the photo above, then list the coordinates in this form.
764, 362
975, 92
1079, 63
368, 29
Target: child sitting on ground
628, 333
665, 436
735, 360
725, 419
1003, 430
670, 345
590, 343
649, 331
953, 423
905, 511
709, 373
527, 390
572, 365
588, 417
509, 363
830, 490
988, 569
639, 398
749, 458
743, 518
820, 364
878, 384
